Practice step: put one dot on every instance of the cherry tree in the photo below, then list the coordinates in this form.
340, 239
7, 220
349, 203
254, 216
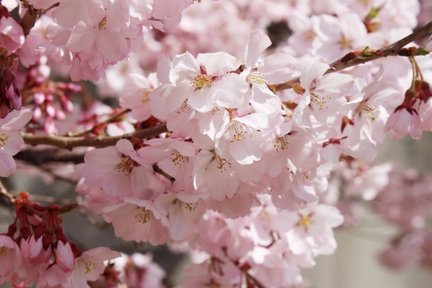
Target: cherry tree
240, 132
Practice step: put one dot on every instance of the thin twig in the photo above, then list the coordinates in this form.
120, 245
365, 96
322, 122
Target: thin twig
5, 194
355, 58
98, 142
32, 14
112, 118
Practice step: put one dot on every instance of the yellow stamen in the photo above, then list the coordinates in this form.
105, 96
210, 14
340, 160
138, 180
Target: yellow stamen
88, 265
256, 78
202, 81
345, 43
4, 137
102, 23
126, 165
305, 221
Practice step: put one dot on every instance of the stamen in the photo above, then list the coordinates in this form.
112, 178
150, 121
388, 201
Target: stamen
222, 164
201, 81
188, 206
240, 131
102, 23
369, 109
142, 215
280, 143
88, 265
126, 165
256, 77
305, 221
320, 102
345, 43
178, 159
4, 137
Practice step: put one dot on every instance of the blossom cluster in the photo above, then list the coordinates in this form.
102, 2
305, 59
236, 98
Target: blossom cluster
256, 145
405, 202
35, 250
400, 197
89, 36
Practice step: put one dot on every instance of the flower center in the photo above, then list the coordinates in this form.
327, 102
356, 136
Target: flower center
320, 102
102, 23
202, 81
126, 165
143, 215
188, 206
87, 265
369, 109
280, 144
255, 77
4, 251
240, 131
345, 43
305, 221
222, 164
177, 159
4, 137
145, 93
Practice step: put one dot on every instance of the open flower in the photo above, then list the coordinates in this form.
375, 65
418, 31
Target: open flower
11, 141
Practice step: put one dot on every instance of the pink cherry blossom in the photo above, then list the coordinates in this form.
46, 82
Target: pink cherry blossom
11, 34
64, 256
139, 270
10, 257
11, 141
182, 216
121, 172
404, 122
89, 266
137, 220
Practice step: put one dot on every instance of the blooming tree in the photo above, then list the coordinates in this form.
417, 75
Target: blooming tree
241, 132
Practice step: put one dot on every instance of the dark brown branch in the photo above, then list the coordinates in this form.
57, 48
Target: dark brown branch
82, 141
111, 119
30, 17
360, 57
39, 157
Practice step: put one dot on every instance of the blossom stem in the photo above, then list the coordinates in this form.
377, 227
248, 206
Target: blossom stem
111, 119
30, 17
6, 194
358, 57
82, 141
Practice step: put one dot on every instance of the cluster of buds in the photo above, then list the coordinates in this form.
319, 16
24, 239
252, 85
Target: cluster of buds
51, 100
11, 38
415, 113
36, 250
10, 96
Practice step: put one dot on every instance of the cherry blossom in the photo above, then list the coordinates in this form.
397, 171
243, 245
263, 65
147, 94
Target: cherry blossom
240, 132
11, 141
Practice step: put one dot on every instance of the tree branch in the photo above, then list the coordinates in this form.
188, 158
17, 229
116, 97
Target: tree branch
38, 157
32, 14
360, 57
111, 119
82, 141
